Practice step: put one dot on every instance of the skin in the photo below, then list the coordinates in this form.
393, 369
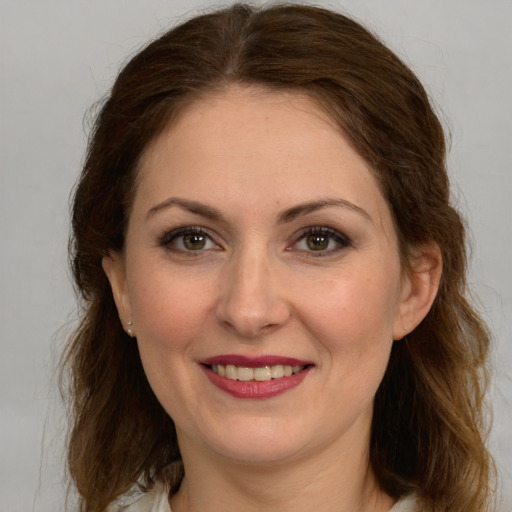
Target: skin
257, 288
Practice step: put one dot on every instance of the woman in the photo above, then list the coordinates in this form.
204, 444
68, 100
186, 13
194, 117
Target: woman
275, 312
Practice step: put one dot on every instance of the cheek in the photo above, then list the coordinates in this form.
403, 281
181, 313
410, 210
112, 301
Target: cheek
353, 316
169, 308
170, 312
358, 305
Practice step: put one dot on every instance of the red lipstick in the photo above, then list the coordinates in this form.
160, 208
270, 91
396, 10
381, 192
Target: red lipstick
255, 389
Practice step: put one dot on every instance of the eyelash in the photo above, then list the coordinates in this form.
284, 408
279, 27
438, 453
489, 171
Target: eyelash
169, 238
342, 241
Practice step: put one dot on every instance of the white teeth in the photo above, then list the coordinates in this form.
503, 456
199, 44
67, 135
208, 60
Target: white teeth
277, 372
245, 373
260, 374
231, 372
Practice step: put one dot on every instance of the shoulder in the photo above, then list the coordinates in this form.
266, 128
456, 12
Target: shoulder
155, 500
406, 504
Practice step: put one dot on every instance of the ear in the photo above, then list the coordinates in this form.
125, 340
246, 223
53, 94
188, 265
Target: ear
114, 267
420, 285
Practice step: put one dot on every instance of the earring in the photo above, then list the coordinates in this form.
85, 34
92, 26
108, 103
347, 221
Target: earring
128, 330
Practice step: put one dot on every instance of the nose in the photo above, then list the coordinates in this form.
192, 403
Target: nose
252, 302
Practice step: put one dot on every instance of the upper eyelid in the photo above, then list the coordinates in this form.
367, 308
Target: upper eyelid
344, 241
322, 229
170, 234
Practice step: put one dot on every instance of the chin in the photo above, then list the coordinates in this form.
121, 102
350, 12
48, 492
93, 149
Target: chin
260, 453
255, 441
270, 443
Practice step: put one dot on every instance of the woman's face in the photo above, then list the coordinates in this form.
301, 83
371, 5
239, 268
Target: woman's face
260, 245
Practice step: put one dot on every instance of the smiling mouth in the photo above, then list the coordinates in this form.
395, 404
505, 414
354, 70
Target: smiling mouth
260, 378
258, 374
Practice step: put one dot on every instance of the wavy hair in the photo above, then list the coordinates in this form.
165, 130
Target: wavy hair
429, 427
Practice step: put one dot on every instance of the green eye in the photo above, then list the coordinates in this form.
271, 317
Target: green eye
321, 241
188, 239
194, 241
317, 242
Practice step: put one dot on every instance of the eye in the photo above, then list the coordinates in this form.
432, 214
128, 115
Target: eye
188, 239
322, 240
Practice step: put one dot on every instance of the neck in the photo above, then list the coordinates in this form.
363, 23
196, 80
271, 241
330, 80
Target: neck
333, 479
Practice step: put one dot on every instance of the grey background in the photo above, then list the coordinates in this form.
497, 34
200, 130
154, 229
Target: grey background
57, 57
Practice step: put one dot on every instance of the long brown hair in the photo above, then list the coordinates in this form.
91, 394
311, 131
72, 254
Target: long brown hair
429, 422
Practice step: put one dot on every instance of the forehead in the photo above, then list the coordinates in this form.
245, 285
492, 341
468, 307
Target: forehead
251, 142
249, 117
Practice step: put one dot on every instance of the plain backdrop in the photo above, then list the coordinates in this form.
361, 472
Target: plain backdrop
59, 56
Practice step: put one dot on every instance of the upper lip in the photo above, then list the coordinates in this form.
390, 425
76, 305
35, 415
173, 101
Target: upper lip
255, 362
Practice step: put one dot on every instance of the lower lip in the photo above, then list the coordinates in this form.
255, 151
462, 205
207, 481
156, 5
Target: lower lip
255, 390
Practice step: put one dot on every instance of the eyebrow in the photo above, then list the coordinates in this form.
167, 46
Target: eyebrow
284, 217
192, 206
313, 206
